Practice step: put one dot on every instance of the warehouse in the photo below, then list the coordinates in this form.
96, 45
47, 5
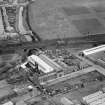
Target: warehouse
95, 54
8, 103
48, 69
43, 66
50, 62
93, 50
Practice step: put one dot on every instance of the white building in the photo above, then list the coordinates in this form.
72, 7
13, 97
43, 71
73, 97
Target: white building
93, 50
8, 103
43, 66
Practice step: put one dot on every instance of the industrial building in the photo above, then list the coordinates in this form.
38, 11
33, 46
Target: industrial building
48, 69
8, 103
45, 64
95, 54
93, 50
51, 69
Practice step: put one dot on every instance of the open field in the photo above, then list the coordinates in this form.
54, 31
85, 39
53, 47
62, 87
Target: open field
53, 19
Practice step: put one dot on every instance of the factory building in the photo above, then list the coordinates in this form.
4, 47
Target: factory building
93, 50
66, 101
48, 69
8, 103
43, 66
50, 62
95, 54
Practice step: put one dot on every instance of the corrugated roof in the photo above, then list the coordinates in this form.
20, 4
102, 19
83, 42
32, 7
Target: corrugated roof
44, 66
50, 62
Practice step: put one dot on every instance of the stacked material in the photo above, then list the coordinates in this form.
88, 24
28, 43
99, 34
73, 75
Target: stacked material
97, 98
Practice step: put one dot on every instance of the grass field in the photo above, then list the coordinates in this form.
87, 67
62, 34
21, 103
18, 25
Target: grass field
53, 19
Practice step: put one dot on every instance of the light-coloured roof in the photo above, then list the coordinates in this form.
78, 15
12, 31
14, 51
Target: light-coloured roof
8, 103
44, 66
30, 87
94, 50
50, 62
23, 65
